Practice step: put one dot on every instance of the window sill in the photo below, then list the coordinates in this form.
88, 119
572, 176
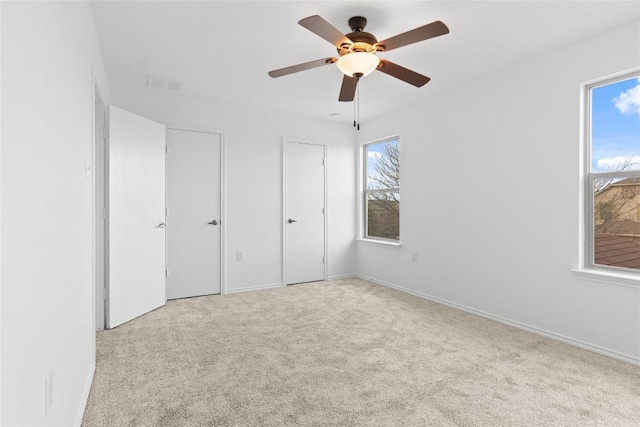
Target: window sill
609, 277
375, 242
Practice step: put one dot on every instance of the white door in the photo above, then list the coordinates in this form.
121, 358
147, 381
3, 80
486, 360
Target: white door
193, 213
136, 216
304, 212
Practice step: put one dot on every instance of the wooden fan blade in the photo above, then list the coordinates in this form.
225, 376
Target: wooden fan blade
402, 73
322, 28
419, 34
301, 67
348, 89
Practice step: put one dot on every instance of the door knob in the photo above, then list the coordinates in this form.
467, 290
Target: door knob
214, 222
161, 225
291, 220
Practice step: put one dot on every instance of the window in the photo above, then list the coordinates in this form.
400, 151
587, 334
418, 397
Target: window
382, 189
613, 174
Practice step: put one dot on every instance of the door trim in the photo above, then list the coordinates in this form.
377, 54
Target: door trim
285, 141
223, 211
100, 248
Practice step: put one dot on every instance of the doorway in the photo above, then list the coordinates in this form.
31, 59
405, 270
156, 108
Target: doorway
304, 211
100, 134
194, 214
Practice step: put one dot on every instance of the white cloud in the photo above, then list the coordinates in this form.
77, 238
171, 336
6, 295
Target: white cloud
628, 102
615, 163
374, 154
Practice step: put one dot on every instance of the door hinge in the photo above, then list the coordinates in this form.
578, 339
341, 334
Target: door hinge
105, 213
105, 132
166, 211
166, 149
322, 162
322, 211
323, 260
166, 273
104, 293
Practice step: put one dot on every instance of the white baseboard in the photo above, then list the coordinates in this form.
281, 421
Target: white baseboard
567, 340
85, 396
280, 285
253, 288
342, 276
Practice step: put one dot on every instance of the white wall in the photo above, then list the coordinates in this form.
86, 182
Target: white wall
0, 215
48, 54
490, 187
254, 216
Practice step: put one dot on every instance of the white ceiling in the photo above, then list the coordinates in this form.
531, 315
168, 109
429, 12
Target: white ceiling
223, 49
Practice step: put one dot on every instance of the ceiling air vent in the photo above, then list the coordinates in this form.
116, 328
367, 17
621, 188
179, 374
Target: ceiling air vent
164, 83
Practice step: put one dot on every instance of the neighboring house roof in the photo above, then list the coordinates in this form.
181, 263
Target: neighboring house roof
627, 181
619, 251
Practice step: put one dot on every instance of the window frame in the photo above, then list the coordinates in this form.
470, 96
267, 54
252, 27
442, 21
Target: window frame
365, 193
616, 274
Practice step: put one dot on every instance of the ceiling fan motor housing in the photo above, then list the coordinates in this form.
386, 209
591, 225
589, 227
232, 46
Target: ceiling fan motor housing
362, 41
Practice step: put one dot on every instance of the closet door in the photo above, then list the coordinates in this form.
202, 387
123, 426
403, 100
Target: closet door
193, 213
136, 216
304, 221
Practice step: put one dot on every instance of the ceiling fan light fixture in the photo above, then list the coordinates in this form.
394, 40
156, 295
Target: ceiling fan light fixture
361, 63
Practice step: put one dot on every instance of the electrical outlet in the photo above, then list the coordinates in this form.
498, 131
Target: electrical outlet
240, 255
414, 257
48, 391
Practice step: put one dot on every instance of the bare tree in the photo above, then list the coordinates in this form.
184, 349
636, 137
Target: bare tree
384, 205
387, 168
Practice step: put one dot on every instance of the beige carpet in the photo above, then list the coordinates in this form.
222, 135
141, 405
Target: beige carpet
347, 353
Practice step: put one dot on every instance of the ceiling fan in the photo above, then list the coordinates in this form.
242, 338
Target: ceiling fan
357, 52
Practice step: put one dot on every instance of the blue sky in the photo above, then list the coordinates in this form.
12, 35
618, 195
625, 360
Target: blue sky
615, 124
374, 152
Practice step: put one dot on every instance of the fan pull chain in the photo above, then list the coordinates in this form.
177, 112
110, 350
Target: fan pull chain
356, 106
358, 93
354, 111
